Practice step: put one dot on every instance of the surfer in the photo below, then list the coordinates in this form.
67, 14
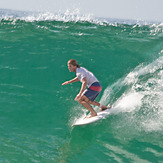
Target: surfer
87, 96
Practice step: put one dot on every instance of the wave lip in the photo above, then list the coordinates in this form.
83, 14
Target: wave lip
43, 16
70, 16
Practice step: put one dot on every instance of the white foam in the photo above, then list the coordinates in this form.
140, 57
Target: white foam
129, 102
75, 15
141, 93
141, 70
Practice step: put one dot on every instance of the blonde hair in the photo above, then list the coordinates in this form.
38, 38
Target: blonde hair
73, 62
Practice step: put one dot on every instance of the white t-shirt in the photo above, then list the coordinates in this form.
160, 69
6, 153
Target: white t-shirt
84, 73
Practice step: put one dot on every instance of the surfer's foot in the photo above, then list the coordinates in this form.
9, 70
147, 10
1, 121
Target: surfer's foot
105, 107
91, 115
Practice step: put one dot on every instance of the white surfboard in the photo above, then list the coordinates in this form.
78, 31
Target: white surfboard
85, 120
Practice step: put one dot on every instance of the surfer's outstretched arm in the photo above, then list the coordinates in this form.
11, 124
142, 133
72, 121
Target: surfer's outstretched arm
71, 81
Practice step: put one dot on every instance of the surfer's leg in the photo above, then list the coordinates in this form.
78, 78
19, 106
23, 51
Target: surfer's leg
85, 102
102, 107
91, 95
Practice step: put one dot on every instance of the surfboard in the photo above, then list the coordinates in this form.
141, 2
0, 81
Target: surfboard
85, 120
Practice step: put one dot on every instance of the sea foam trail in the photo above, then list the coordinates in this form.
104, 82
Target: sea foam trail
142, 96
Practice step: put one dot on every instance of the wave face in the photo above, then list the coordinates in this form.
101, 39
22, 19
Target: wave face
36, 112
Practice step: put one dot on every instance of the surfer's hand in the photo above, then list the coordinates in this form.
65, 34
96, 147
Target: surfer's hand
67, 82
77, 97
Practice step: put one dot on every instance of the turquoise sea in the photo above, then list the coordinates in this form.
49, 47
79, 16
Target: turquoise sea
37, 113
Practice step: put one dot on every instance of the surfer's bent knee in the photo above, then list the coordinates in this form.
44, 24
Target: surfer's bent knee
83, 99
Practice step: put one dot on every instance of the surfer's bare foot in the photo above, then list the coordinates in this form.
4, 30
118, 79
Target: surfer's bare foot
105, 107
91, 115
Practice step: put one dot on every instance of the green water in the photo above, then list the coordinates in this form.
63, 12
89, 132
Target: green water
37, 113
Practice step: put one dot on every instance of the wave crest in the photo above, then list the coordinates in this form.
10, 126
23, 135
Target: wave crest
71, 16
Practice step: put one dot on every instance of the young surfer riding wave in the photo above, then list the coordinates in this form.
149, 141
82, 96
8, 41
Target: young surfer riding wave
86, 95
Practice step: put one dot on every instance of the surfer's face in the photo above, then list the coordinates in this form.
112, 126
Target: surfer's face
71, 68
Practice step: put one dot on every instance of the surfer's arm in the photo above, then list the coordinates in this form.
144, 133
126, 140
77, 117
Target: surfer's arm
83, 87
71, 81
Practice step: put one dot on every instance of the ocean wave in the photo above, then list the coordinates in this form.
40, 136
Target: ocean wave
134, 27
71, 16
142, 96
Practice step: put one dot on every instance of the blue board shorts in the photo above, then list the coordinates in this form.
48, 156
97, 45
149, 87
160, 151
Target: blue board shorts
93, 91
